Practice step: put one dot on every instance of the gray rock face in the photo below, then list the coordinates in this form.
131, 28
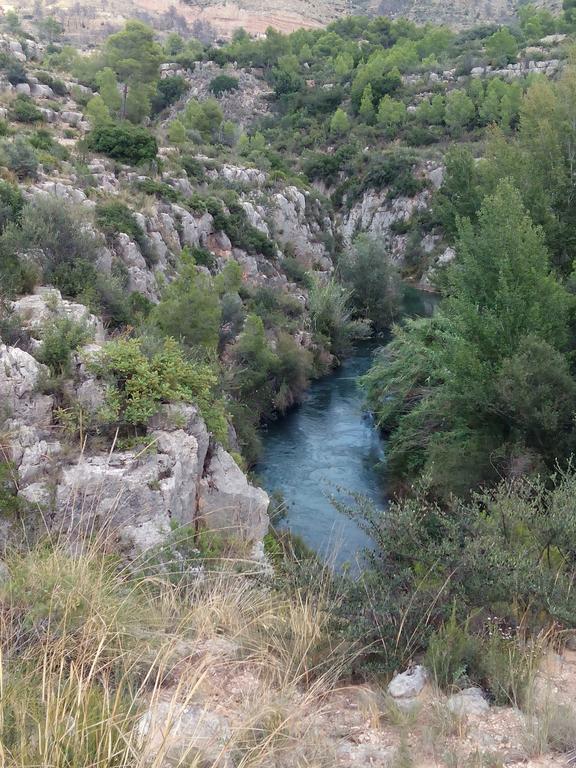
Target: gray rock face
47, 304
470, 701
409, 684
73, 119
174, 735
228, 504
19, 400
42, 91
132, 498
375, 214
293, 226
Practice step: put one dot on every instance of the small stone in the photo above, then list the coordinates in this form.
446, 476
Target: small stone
470, 701
409, 684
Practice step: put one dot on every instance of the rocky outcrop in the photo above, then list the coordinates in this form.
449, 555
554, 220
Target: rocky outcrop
133, 498
470, 701
20, 401
300, 229
376, 215
46, 304
228, 504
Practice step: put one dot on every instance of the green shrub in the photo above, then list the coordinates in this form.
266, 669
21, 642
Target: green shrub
15, 71
193, 167
11, 204
59, 339
20, 157
222, 84
41, 139
10, 504
55, 229
137, 385
295, 270
113, 217
168, 91
159, 189
190, 310
458, 579
125, 142
24, 110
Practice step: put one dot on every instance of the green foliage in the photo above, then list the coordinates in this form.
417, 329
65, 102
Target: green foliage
442, 384
223, 84
60, 338
137, 385
391, 114
108, 90
458, 578
24, 110
11, 204
55, 230
123, 141
331, 316
339, 124
460, 193
375, 283
10, 504
205, 117
135, 58
113, 217
97, 111
502, 47
159, 189
189, 309
460, 111
168, 91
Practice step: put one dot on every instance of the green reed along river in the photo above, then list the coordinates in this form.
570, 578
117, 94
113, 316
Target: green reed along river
328, 448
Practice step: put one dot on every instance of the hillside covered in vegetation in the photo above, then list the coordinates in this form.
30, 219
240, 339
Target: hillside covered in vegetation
190, 233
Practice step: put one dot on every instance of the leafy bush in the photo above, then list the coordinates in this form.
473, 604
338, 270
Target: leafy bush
10, 504
193, 167
168, 91
125, 142
59, 339
158, 189
190, 310
11, 204
374, 281
471, 571
56, 230
222, 84
19, 157
137, 385
24, 110
113, 217
331, 316
15, 71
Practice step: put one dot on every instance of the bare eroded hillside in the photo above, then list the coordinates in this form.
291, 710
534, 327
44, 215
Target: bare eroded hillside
87, 20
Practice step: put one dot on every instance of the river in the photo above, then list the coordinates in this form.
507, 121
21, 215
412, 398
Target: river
328, 448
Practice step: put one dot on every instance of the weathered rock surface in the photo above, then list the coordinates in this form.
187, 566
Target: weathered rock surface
470, 701
36, 310
409, 684
133, 497
20, 401
183, 735
228, 503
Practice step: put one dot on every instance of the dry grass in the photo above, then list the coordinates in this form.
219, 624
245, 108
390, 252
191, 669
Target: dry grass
105, 667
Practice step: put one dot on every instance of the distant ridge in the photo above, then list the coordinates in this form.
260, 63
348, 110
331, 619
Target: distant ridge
88, 19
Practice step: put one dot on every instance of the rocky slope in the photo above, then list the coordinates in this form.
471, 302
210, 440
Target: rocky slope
84, 22
177, 477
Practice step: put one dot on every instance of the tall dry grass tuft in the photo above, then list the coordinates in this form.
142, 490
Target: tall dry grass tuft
101, 665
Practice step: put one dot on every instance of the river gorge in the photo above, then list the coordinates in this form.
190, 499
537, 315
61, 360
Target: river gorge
327, 451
